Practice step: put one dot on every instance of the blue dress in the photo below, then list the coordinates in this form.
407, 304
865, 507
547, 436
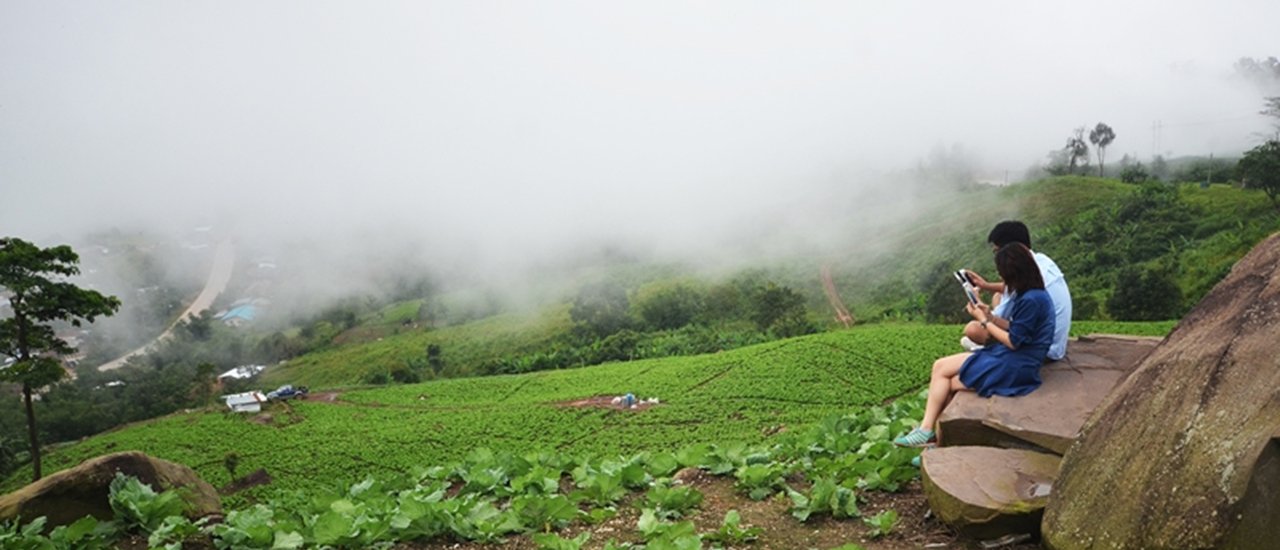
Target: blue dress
998, 370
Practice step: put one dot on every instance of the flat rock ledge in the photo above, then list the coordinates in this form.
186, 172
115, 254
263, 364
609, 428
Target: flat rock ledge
1050, 418
985, 492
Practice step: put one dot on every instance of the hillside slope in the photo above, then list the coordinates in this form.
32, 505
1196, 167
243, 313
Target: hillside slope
744, 395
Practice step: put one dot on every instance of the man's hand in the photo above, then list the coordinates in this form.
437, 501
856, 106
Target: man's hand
982, 283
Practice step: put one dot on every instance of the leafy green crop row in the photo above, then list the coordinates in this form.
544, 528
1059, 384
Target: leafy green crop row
490, 495
739, 396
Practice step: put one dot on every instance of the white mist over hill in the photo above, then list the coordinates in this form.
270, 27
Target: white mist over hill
493, 135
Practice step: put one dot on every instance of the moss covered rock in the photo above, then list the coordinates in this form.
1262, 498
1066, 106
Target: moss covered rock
1184, 453
82, 491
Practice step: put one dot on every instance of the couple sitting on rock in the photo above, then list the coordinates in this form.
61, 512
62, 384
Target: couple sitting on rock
1008, 344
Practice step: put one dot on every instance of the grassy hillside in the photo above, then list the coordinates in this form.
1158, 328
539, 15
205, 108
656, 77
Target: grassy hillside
1095, 229
743, 395
349, 362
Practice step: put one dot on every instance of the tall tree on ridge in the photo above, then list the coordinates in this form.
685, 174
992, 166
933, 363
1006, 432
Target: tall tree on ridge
1076, 149
1101, 136
39, 294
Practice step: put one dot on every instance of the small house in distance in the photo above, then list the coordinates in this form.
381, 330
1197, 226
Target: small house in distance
247, 402
242, 372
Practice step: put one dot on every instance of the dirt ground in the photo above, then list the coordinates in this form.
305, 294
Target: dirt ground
916, 527
606, 402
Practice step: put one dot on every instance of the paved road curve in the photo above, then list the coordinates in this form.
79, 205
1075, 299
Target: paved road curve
223, 262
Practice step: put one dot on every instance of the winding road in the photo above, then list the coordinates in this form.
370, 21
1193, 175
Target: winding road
224, 260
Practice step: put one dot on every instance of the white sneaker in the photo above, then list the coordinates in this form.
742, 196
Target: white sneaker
969, 345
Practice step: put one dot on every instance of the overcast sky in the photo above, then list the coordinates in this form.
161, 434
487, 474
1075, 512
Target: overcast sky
507, 127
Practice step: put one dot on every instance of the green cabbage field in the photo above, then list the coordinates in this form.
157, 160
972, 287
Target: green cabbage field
746, 395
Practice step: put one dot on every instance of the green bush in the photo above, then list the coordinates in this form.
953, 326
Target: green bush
601, 309
669, 307
1147, 294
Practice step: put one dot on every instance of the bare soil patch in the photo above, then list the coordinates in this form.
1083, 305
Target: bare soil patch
323, 396
604, 402
258, 477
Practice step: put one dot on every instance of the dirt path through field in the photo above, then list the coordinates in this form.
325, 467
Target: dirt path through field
224, 261
829, 286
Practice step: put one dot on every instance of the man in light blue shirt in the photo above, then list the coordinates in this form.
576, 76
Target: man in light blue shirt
1054, 283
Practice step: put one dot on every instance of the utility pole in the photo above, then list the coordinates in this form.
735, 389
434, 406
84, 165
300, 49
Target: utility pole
1156, 131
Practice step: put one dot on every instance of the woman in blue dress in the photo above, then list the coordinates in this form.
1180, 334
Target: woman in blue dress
1010, 363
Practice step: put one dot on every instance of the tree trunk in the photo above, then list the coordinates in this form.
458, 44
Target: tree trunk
31, 432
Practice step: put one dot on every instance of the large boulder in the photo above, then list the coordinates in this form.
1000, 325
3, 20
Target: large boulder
986, 492
1049, 418
81, 491
1184, 453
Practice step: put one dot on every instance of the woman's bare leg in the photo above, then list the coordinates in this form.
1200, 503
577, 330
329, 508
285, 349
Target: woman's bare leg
942, 383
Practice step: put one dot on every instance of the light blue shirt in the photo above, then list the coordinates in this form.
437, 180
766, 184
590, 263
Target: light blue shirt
1056, 285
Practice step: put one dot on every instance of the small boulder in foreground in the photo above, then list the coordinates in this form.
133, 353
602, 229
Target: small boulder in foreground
71, 494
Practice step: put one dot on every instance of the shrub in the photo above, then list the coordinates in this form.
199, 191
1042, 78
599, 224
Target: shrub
772, 302
601, 309
669, 307
1148, 294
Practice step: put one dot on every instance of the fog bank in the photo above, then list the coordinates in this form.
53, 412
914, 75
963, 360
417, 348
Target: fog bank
493, 135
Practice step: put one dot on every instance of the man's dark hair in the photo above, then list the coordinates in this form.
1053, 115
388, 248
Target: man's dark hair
1018, 268
1010, 231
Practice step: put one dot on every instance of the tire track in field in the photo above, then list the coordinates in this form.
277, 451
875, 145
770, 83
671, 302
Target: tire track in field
519, 387
712, 378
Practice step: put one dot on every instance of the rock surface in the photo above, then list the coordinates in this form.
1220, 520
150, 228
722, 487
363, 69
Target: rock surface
71, 494
1185, 453
986, 492
1049, 418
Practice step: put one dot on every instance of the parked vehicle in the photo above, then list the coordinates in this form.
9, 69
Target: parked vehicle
286, 392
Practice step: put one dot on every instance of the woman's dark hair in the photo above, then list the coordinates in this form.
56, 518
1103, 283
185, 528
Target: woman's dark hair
1010, 231
1018, 268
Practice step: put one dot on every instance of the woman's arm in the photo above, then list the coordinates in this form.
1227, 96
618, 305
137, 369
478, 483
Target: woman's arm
996, 327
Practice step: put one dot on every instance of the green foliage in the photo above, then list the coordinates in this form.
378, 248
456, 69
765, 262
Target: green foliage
736, 398
138, 505
731, 532
552, 541
662, 534
824, 497
39, 297
87, 533
1145, 294
669, 306
1205, 171
1260, 169
760, 481
251, 528
1101, 136
1134, 173
544, 513
672, 502
780, 310
602, 483
601, 309
882, 524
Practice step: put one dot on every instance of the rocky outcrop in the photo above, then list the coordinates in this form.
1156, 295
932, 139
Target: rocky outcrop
986, 492
1049, 418
999, 456
81, 491
1185, 452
